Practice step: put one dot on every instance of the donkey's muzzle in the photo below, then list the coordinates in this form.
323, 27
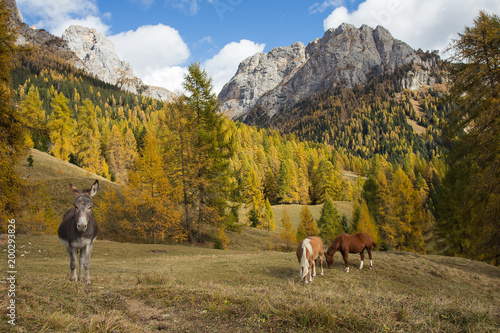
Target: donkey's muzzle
81, 227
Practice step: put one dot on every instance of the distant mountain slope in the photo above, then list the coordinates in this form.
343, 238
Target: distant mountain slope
346, 89
98, 57
88, 50
344, 57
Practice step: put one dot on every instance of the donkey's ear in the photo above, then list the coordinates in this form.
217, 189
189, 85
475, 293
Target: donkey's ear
74, 189
94, 188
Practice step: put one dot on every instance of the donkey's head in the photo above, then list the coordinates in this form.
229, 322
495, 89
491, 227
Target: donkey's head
83, 205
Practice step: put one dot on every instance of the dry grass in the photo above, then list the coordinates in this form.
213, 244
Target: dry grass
177, 288
146, 288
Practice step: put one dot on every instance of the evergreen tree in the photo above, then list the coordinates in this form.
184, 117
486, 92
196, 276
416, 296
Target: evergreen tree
307, 226
269, 217
468, 206
213, 147
180, 139
329, 222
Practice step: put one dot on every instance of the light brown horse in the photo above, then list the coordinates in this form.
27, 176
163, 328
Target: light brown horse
308, 251
350, 244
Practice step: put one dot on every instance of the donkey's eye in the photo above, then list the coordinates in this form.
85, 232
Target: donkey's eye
76, 207
90, 207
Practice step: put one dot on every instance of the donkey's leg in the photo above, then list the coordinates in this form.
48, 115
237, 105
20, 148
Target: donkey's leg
85, 262
72, 262
346, 261
369, 250
362, 255
80, 261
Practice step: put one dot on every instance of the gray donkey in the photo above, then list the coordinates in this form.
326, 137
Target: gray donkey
78, 231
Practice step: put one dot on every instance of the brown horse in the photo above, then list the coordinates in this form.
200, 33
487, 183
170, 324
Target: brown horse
350, 244
308, 251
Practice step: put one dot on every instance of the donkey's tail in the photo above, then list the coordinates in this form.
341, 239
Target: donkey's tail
304, 263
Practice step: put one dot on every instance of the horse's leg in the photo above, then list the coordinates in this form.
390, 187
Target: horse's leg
72, 263
345, 255
362, 255
321, 262
369, 250
308, 275
313, 269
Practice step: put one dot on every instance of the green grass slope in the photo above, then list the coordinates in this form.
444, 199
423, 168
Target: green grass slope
178, 288
56, 175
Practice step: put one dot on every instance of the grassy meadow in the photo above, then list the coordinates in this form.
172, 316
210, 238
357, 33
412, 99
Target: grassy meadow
193, 288
181, 288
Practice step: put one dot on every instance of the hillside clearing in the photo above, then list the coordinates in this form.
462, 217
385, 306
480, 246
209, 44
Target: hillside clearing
177, 288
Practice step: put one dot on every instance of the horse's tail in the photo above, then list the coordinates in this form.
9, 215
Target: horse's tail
304, 263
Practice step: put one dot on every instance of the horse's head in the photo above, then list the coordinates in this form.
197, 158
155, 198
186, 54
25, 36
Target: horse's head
330, 254
83, 205
329, 260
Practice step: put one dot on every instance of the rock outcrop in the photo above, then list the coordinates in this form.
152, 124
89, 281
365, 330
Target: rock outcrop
88, 50
259, 74
98, 57
345, 56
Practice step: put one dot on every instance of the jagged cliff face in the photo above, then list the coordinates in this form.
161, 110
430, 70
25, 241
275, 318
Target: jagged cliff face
98, 57
347, 56
88, 50
40, 37
259, 74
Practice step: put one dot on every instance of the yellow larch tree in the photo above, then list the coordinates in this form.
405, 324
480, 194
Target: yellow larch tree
151, 198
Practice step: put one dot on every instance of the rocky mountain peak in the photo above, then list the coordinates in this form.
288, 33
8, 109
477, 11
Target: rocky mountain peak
88, 50
259, 74
345, 56
98, 57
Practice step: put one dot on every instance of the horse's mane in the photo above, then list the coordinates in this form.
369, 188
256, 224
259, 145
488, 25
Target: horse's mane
304, 263
334, 245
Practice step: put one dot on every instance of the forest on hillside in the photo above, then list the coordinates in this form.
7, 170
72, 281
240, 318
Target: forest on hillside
104, 130
185, 167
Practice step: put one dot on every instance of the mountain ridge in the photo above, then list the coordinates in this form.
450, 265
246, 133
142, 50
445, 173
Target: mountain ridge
345, 56
88, 50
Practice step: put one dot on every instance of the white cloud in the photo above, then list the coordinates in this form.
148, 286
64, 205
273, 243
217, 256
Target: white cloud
425, 24
151, 49
187, 7
224, 64
167, 77
89, 22
321, 7
56, 15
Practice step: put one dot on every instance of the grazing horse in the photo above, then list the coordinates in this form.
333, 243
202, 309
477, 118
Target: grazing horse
308, 251
350, 244
78, 231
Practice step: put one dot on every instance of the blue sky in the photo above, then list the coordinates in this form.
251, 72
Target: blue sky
160, 38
